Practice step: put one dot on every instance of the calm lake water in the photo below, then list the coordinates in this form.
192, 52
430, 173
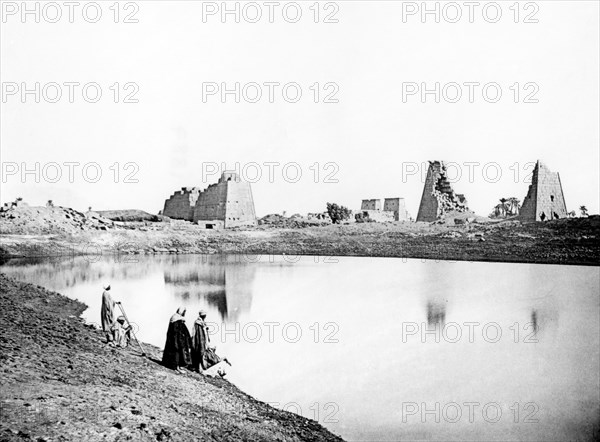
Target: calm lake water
374, 348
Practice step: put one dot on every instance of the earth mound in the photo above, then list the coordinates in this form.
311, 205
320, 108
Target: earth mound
275, 220
61, 382
131, 215
31, 220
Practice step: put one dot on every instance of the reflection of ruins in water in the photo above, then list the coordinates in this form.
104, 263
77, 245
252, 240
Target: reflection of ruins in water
534, 321
224, 282
60, 272
544, 319
436, 313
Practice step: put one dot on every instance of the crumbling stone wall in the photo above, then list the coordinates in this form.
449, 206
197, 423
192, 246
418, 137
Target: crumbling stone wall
181, 204
379, 215
438, 196
211, 204
320, 216
545, 199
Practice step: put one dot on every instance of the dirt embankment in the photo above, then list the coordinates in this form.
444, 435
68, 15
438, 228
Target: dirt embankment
61, 382
27, 220
564, 241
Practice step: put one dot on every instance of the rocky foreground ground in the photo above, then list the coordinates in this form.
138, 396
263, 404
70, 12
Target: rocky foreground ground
61, 382
34, 231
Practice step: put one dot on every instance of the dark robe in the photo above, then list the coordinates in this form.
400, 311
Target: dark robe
177, 348
199, 345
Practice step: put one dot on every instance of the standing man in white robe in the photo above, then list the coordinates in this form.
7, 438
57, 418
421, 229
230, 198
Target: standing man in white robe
107, 313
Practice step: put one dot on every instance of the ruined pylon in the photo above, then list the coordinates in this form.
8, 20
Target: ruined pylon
545, 199
181, 204
438, 195
228, 203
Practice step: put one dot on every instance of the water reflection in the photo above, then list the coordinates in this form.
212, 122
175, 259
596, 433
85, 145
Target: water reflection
223, 282
436, 313
544, 316
536, 358
534, 320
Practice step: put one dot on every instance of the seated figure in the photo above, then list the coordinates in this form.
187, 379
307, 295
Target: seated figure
121, 332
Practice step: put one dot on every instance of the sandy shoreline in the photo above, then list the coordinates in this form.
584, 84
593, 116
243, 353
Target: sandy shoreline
61, 382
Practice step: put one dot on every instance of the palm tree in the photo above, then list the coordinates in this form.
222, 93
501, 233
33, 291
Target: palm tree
498, 211
503, 206
514, 205
584, 211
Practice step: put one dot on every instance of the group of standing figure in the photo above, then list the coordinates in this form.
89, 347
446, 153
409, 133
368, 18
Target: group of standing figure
181, 350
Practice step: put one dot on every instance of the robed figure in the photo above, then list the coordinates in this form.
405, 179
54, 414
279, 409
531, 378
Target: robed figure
204, 356
121, 332
176, 354
200, 343
107, 313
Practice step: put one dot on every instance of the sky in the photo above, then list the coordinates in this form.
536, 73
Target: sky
369, 134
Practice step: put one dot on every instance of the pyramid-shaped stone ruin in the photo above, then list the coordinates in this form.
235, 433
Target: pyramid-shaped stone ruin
545, 199
438, 196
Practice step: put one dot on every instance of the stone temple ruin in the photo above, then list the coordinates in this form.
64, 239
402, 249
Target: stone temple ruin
394, 209
438, 196
545, 199
227, 203
182, 203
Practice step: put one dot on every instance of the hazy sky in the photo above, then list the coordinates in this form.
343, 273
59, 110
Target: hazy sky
366, 60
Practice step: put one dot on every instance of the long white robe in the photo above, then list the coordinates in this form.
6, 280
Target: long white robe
106, 312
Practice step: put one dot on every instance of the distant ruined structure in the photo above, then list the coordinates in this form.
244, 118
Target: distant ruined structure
398, 207
182, 203
438, 196
370, 205
319, 216
227, 203
394, 209
545, 199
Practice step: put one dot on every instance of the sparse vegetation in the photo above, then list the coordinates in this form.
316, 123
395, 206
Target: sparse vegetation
338, 213
507, 207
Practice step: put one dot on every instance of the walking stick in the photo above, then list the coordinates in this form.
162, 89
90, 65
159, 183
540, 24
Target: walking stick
132, 332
